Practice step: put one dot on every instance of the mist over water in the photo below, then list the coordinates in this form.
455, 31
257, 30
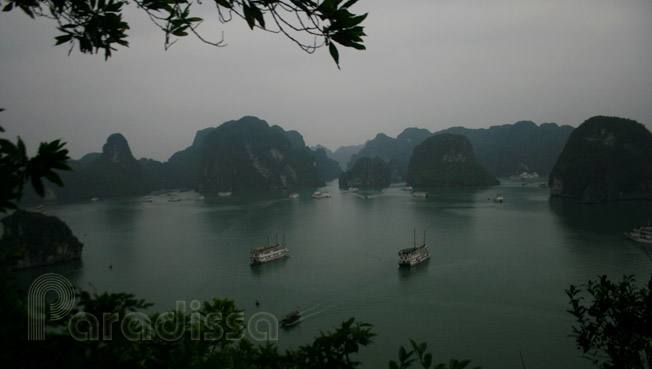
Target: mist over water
494, 285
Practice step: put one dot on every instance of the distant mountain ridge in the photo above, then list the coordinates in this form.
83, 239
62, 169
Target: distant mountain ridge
515, 148
397, 149
115, 172
342, 155
236, 156
503, 150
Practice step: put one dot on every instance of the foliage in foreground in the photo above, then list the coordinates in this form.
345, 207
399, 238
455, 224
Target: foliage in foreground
418, 354
16, 169
99, 25
171, 340
613, 322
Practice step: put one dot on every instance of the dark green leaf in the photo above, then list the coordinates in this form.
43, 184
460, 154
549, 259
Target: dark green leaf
54, 178
38, 186
334, 53
427, 360
62, 39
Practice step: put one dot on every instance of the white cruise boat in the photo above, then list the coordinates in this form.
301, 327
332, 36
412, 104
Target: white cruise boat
525, 175
642, 234
321, 195
420, 194
498, 198
268, 253
224, 194
414, 255
294, 195
354, 189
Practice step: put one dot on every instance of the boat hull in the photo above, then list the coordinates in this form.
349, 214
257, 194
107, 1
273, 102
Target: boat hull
639, 237
261, 258
290, 320
642, 234
413, 262
413, 256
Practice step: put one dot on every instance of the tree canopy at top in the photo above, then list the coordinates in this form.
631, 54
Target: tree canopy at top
98, 25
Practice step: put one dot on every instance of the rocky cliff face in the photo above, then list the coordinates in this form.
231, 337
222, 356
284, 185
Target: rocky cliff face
248, 154
446, 160
605, 159
366, 172
116, 150
38, 240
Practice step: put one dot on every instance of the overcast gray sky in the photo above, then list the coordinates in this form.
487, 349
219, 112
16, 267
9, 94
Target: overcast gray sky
430, 63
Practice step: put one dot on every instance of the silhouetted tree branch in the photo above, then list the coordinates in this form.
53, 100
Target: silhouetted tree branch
98, 25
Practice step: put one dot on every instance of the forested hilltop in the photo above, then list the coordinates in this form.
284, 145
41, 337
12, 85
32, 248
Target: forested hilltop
446, 160
249, 154
605, 159
370, 173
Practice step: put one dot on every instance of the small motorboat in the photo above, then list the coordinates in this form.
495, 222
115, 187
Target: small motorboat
290, 319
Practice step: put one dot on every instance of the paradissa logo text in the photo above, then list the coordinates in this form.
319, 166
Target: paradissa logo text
133, 326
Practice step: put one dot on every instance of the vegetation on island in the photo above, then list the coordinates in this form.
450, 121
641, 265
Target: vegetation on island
37, 239
446, 160
370, 173
249, 154
605, 159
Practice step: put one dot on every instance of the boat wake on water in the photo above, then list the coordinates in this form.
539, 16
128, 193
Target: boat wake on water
319, 309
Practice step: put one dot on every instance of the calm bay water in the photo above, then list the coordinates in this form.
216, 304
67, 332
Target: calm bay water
493, 287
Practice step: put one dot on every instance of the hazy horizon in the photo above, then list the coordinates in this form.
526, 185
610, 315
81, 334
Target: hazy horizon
429, 64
